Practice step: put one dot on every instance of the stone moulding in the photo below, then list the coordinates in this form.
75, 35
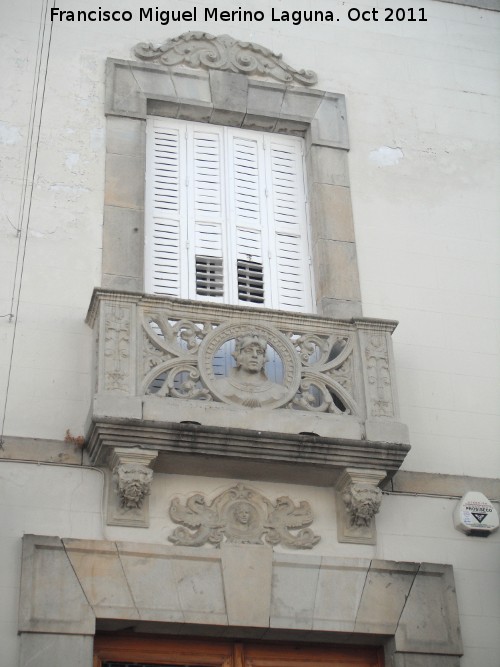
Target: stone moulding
241, 515
192, 449
200, 50
419, 623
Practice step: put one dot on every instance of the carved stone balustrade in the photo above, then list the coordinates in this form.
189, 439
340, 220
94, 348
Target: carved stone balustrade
254, 392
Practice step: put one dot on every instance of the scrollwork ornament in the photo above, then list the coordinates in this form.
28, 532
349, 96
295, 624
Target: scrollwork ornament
186, 387
206, 51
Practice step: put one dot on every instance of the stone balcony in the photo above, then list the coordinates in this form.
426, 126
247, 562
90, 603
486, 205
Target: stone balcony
170, 380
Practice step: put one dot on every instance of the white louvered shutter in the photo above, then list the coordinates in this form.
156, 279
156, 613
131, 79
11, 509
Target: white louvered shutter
206, 212
247, 218
226, 216
290, 263
165, 208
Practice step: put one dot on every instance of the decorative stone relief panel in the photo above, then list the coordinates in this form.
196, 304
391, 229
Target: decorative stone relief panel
358, 501
378, 368
117, 348
204, 51
226, 362
241, 515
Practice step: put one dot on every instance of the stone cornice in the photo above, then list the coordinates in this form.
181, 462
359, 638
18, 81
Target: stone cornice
204, 450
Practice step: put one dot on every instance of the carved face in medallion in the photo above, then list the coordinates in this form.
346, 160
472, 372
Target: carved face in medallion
250, 353
242, 513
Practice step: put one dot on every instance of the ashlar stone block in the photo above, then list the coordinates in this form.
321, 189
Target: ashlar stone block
340, 586
301, 104
200, 588
264, 104
338, 307
154, 79
229, 97
144, 569
192, 86
51, 597
123, 96
386, 590
294, 588
50, 650
247, 572
430, 617
327, 165
124, 181
336, 270
98, 568
332, 213
329, 125
125, 136
123, 241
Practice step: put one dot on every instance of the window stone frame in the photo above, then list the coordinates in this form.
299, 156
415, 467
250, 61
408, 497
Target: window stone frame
135, 90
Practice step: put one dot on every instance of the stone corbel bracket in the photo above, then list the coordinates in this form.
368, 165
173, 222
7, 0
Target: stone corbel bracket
358, 501
129, 486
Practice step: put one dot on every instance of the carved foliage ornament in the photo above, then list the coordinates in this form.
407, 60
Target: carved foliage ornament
204, 51
132, 483
362, 502
243, 516
379, 378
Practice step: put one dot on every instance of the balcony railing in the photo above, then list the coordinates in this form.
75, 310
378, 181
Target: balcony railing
169, 361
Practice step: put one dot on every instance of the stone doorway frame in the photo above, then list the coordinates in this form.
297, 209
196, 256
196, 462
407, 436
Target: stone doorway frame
71, 588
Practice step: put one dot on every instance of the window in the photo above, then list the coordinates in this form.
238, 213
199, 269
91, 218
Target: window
226, 217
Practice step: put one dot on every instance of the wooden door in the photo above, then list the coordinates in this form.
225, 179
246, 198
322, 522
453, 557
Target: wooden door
116, 651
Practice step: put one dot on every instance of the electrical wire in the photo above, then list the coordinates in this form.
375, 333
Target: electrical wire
36, 109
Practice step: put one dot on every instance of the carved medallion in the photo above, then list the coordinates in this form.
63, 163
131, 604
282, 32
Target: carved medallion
204, 51
247, 349
243, 516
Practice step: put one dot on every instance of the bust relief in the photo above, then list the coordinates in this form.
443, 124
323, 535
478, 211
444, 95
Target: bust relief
247, 382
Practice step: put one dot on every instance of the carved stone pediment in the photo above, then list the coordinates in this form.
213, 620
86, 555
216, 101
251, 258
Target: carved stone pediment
243, 516
202, 50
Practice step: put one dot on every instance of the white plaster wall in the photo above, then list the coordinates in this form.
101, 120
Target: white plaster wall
67, 501
40, 500
423, 115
